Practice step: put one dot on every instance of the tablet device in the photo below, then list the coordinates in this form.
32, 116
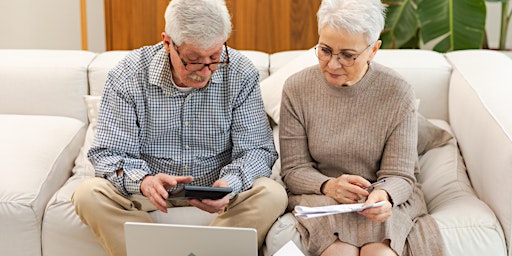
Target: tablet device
200, 192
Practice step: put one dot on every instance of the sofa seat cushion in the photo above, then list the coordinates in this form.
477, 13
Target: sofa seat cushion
461, 216
450, 199
37, 154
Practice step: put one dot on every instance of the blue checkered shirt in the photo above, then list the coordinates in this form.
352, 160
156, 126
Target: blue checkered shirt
147, 126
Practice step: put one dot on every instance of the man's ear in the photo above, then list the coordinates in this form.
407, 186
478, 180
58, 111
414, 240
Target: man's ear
167, 41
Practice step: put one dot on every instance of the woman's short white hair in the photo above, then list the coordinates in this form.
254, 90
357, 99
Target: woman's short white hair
365, 17
201, 23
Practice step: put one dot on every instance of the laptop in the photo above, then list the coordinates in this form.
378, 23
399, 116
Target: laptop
144, 239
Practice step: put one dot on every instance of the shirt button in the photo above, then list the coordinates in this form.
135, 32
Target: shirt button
188, 97
186, 123
185, 167
187, 147
134, 176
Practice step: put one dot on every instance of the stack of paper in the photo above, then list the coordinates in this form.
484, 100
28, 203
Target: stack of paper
312, 212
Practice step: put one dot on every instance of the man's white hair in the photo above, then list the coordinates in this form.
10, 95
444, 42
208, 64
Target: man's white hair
201, 23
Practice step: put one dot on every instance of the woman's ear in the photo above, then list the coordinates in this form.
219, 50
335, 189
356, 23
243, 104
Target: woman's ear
375, 48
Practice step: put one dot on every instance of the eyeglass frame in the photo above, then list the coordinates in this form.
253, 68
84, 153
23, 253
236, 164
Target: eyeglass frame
220, 63
338, 56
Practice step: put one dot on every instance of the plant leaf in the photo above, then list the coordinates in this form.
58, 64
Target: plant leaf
456, 24
401, 23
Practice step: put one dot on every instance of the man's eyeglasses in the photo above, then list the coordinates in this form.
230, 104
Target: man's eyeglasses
193, 66
346, 59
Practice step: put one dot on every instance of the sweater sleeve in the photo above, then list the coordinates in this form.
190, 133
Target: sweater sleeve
299, 171
400, 153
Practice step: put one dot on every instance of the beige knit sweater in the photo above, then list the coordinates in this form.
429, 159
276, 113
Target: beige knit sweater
368, 129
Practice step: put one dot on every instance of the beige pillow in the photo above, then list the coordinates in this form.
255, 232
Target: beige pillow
430, 136
82, 164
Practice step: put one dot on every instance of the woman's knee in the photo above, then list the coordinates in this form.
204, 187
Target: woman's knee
377, 249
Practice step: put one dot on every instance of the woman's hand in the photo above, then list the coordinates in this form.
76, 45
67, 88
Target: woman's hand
381, 213
346, 189
155, 188
212, 206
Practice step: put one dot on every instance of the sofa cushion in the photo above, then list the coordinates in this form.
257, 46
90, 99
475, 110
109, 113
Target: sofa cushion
37, 154
99, 68
430, 136
82, 164
44, 82
260, 60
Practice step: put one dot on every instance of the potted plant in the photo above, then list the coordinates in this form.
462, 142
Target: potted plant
443, 25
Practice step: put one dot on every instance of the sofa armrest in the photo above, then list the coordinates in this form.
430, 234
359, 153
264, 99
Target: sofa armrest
479, 109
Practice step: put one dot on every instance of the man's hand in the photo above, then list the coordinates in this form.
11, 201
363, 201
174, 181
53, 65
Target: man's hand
212, 206
155, 188
346, 189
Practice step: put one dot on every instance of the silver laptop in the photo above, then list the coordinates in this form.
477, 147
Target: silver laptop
144, 239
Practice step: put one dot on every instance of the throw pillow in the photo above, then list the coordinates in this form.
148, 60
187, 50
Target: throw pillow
430, 136
82, 164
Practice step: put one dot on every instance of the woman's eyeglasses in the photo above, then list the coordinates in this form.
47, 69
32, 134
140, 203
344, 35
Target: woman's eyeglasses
344, 58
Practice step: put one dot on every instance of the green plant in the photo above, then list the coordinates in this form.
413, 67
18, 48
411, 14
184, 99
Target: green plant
445, 25
505, 21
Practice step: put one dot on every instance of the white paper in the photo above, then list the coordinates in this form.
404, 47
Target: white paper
289, 249
312, 212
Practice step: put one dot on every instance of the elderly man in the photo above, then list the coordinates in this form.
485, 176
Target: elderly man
186, 110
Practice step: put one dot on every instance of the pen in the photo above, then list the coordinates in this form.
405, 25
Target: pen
375, 184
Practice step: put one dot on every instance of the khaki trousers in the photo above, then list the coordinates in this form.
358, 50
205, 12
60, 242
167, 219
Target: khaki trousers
105, 210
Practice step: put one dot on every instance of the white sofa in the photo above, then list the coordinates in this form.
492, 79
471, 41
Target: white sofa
46, 127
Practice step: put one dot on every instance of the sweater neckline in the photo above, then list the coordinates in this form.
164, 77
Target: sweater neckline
348, 91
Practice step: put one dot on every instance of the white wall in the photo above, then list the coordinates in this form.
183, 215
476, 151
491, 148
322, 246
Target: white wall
492, 25
50, 24
55, 24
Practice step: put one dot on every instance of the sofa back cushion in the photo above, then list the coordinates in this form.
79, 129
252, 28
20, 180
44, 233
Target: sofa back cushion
99, 68
427, 71
44, 82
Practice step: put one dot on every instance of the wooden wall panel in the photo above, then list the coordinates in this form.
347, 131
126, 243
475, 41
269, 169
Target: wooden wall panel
263, 25
131, 24
272, 26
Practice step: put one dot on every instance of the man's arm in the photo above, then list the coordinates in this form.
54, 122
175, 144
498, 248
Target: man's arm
254, 152
116, 144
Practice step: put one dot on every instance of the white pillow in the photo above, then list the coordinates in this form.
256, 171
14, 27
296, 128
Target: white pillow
82, 164
272, 87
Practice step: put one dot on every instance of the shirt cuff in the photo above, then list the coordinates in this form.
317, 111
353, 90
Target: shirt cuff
235, 183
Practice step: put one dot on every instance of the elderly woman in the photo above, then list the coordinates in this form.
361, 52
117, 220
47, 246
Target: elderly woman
345, 124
